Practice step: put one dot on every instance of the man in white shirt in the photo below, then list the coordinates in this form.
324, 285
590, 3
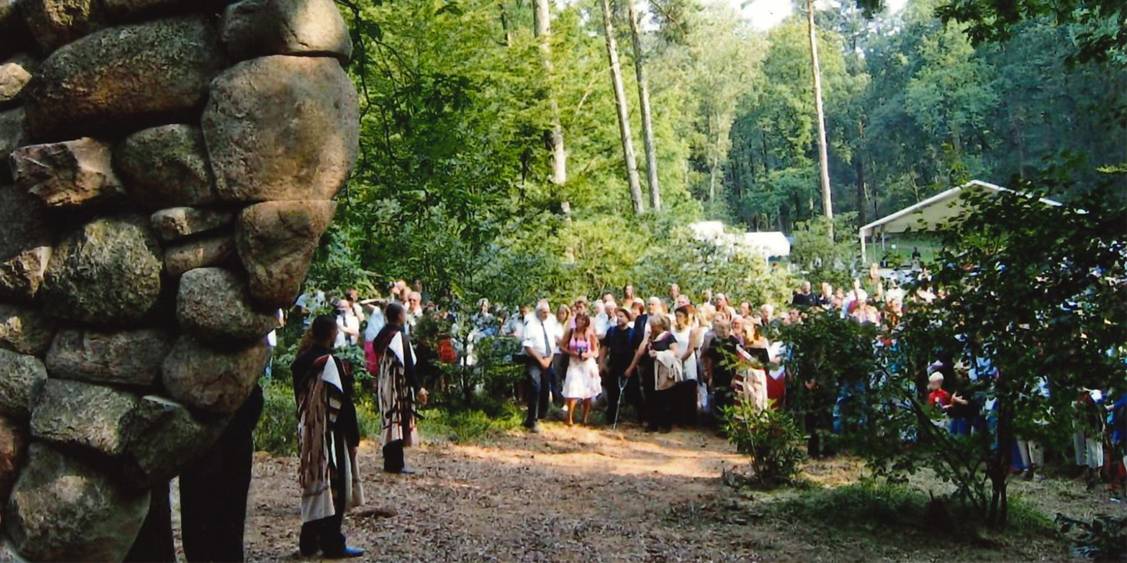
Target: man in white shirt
602, 320
540, 344
514, 325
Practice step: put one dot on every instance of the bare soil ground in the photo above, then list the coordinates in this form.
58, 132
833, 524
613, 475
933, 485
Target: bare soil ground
592, 494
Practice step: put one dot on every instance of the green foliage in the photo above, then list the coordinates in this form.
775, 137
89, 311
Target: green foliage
827, 351
821, 260
277, 428
770, 437
1098, 25
467, 426
1061, 270
895, 510
1102, 539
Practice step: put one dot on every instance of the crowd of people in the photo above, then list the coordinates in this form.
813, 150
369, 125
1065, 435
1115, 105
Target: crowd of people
672, 359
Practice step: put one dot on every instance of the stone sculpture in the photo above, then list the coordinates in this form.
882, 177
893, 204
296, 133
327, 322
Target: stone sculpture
167, 168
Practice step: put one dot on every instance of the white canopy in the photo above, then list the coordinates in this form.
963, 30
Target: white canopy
929, 214
767, 244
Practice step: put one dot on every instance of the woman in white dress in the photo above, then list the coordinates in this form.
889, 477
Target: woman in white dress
582, 383
688, 339
689, 335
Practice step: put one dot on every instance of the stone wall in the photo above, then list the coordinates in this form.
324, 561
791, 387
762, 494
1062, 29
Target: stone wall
168, 169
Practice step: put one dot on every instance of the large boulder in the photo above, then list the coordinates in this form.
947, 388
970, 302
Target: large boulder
25, 243
13, 134
56, 22
134, 8
13, 451
282, 128
25, 330
214, 306
276, 241
125, 77
106, 272
80, 415
150, 437
254, 28
211, 379
121, 358
169, 438
62, 507
179, 222
23, 377
15, 73
67, 174
198, 253
165, 166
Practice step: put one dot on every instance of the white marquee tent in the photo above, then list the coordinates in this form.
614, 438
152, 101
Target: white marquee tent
769, 244
931, 213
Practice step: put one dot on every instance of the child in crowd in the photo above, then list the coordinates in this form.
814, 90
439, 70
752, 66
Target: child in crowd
937, 396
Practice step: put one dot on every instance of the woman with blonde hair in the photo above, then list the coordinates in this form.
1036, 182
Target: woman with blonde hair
666, 355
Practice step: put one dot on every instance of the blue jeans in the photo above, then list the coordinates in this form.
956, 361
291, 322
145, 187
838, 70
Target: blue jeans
847, 412
960, 426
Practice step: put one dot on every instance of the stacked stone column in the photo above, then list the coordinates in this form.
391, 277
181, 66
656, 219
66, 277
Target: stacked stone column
167, 168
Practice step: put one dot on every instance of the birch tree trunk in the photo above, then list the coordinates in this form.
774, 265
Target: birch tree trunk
623, 111
823, 157
644, 101
542, 17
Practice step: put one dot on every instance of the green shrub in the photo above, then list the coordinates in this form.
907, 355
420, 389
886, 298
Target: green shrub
462, 426
277, 429
770, 437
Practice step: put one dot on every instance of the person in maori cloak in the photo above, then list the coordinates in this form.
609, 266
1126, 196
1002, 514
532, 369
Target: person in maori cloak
328, 436
398, 389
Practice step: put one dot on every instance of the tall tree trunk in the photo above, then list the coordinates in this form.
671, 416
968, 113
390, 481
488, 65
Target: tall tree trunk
623, 111
505, 27
859, 166
712, 168
542, 21
823, 156
644, 103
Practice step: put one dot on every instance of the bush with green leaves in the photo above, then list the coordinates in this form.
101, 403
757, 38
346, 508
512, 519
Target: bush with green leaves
770, 438
826, 353
1029, 293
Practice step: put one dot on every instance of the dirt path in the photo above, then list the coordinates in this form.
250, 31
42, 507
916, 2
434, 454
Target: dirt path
565, 494
599, 495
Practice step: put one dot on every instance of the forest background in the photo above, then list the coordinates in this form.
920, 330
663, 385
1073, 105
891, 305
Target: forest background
470, 106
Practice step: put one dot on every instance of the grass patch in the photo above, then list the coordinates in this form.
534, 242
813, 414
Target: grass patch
464, 426
885, 520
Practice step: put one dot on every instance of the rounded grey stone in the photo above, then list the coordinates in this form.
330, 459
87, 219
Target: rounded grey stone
213, 305
107, 272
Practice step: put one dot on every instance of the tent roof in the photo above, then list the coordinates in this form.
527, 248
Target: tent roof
769, 243
934, 211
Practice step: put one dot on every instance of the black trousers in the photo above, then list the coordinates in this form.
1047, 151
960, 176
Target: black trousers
213, 490
661, 408
649, 394
685, 403
154, 541
213, 499
393, 458
539, 383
